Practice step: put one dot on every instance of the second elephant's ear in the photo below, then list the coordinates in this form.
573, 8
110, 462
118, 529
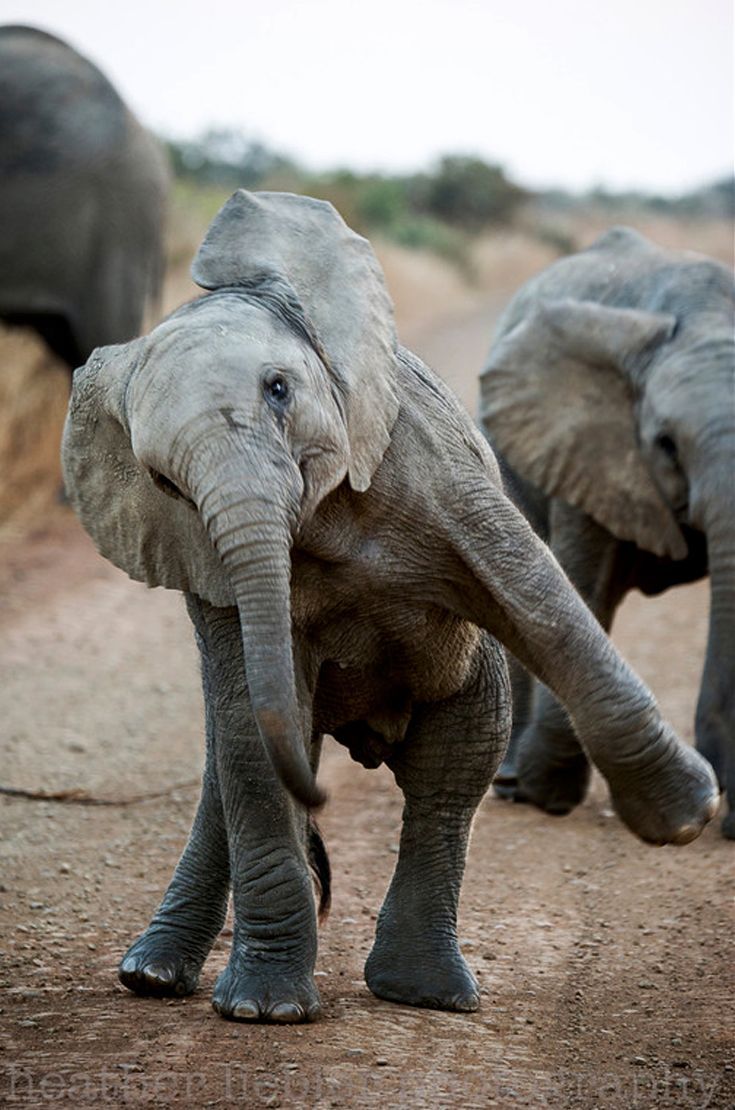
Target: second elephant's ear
557, 398
154, 536
339, 283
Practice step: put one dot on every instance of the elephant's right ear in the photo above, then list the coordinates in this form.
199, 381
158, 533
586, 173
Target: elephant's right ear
557, 398
153, 536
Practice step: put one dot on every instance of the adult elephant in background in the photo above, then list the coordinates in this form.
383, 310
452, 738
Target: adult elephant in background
610, 392
82, 197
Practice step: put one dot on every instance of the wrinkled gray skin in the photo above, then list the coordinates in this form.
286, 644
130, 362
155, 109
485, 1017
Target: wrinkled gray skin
351, 562
82, 193
610, 390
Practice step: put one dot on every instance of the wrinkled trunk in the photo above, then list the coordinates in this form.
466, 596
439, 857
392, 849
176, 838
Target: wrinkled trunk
715, 724
247, 509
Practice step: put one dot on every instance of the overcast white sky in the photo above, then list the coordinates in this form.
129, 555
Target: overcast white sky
626, 93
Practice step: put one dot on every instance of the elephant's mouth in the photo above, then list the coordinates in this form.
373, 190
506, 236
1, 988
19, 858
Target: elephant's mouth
169, 488
681, 512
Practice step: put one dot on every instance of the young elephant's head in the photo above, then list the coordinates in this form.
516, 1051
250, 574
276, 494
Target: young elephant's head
194, 454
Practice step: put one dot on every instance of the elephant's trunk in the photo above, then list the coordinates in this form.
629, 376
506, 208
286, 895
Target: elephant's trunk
715, 723
247, 513
519, 592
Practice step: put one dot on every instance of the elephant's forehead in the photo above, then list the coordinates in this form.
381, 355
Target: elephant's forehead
704, 366
217, 330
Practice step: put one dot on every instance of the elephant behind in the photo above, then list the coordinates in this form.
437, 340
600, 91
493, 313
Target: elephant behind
82, 196
610, 391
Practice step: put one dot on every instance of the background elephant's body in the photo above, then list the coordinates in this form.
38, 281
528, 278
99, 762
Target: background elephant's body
610, 391
82, 194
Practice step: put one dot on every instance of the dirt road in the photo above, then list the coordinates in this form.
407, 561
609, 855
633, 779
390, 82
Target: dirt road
607, 967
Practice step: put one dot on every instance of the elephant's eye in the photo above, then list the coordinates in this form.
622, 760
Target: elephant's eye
276, 390
666, 444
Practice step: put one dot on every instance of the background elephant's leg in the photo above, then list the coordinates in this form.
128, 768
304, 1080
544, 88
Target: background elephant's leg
169, 955
270, 971
522, 685
444, 768
715, 717
551, 769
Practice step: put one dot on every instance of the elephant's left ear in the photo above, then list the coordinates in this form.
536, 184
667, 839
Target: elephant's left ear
558, 399
339, 283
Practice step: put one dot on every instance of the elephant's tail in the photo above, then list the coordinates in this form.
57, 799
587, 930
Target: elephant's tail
320, 867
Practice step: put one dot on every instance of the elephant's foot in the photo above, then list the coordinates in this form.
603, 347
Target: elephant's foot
249, 990
419, 973
555, 783
728, 825
162, 963
670, 800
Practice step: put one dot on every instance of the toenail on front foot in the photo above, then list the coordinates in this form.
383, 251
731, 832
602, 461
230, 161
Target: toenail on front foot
158, 972
467, 1003
286, 1012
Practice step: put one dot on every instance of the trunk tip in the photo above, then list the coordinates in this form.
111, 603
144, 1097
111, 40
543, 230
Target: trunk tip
314, 797
302, 786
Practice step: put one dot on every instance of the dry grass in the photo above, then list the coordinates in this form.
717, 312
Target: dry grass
34, 388
428, 291
429, 294
713, 237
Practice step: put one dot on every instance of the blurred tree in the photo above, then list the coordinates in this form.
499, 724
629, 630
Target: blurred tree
467, 192
226, 156
383, 201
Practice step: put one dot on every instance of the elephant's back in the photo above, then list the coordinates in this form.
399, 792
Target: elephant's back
623, 269
56, 108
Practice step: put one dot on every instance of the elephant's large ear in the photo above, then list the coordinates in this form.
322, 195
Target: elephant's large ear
152, 535
557, 398
340, 285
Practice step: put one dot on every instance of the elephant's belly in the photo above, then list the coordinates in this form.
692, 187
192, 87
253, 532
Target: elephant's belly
370, 679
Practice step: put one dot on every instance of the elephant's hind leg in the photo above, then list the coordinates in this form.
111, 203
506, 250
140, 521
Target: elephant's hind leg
444, 768
552, 771
167, 958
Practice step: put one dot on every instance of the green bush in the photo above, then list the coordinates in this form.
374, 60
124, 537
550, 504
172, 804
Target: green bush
467, 192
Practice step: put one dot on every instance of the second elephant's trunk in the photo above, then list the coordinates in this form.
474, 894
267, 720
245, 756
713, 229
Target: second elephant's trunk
715, 724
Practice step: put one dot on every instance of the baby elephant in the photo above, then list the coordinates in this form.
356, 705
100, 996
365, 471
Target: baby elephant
610, 391
350, 563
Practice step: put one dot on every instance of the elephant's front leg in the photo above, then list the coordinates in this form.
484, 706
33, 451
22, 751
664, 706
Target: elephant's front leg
269, 976
546, 765
444, 768
167, 958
